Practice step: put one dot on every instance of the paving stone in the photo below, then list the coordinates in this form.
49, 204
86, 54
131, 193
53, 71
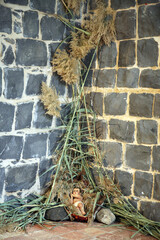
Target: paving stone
30, 24
89, 79
122, 4
47, 6
44, 166
57, 214
40, 118
150, 78
157, 106
115, 103
105, 78
107, 56
5, 20
147, 53
112, 153
138, 156
35, 145
125, 181
156, 194
52, 28
88, 57
125, 23
52, 49
2, 174
20, 177
14, 82
0, 81
58, 84
34, 83
156, 158
147, 132
149, 21
97, 99
18, 2
149, 210
101, 129
141, 105
126, 53
31, 52
10, 147
122, 130
143, 184
24, 115
6, 113
54, 140
128, 77
17, 27
147, 1
9, 56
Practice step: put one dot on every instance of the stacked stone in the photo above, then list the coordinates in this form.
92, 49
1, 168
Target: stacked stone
126, 98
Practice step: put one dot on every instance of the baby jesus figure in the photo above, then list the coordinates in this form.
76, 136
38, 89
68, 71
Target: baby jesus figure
76, 200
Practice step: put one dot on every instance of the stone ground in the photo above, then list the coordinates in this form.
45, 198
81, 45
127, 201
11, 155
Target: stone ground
76, 231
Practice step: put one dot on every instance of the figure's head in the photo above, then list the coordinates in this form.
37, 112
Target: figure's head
76, 191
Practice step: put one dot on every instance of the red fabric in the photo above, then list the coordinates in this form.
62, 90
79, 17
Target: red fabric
79, 218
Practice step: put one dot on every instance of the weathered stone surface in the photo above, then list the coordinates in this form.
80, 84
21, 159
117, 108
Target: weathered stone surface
156, 158
31, 52
125, 181
14, 82
105, 78
128, 77
126, 53
18, 2
24, 115
147, 131
89, 79
149, 21
20, 177
147, 53
44, 178
107, 56
149, 210
43, 6
5, 20
30, 24
0, 81
52, 29
125, 24
40, 118
141, 105
138, 157
88, 57
150, 78
57, 214
35, 145
17, 27
156, 194
52, 49
122, 4
97, 103
105, 216
115, 103
6, 117
2, 174
9, 57
112, 153
148, 1
101, 129
58, 84
34, 84
10, 147
157, 106
143, 184
122, 130
54, 140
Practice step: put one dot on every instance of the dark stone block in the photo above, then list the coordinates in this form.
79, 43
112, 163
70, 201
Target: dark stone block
147, 131
147, 53
30, 24
24, 115
105, 78
112, 153
5, 20
141, 105
40, 118
150, 210
44, 174
97, 99
6, 117
57, 214
115, 103
14, 82
34, 84
150, 78
107, 56
87, 59
43, 6
58, 84
11, 147
31, 52
157, 106
138, 157
20, 177
101, 129
2, 174
149, 21
17, 27
156, 159
128, 77
126, 53
9, 56
125, 24
0, 81
52, 29
148, 1
122, 130
156, 194
89, 79
54, 140
52, 48
122, 4
18, 2
125, 180
143, 184
35, 146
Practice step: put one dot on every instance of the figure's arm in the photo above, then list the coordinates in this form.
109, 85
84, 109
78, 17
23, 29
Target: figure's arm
72, 198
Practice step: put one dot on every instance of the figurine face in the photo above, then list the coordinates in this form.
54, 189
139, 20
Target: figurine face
76, 191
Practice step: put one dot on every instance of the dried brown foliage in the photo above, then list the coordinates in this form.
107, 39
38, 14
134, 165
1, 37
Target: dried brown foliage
74, 5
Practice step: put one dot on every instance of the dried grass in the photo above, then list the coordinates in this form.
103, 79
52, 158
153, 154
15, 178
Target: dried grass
74, 5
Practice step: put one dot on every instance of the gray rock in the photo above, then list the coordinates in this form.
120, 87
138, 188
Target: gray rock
122, 4
156, 194
150, 210
2, 174
111, 53
34, 83
147, 132
54, 139
115, 103
150, 79
6, 117
157, 106
9, 56
143, 184
105, 78
128, 77
97, 99
156, 157
0, 81
17, 27
5, 20
101, 129
126, 53
30, 24
57, 214
43, 6
18, 2
44, 166
105, 216
58, 84
125, 181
